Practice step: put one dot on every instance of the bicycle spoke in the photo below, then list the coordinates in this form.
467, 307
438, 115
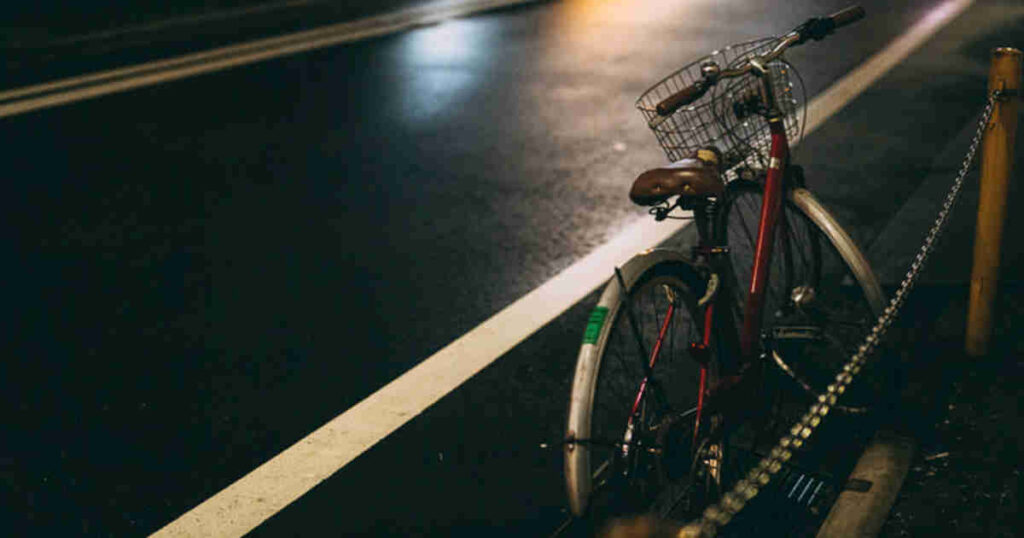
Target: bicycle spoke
633, 325
634, 475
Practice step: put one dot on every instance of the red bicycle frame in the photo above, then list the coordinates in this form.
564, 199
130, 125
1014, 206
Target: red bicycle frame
753, 310
770, 209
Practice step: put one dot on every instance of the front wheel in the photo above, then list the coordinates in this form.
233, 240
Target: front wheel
633, 408
821, 297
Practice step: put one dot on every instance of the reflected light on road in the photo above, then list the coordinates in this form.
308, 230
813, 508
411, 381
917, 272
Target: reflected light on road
599, 48
439, 64
450, 42
585, 12
592, 30
589, 15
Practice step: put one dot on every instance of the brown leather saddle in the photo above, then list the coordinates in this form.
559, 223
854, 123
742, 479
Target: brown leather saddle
695, 176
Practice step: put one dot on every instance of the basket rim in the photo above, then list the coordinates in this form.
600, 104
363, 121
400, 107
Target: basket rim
756, 42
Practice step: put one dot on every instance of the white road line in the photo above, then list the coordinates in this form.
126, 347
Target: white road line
178, 21
64, 91
266, 490
272, 486
846, 89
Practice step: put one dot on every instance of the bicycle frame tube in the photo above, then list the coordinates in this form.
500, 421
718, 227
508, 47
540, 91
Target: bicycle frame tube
770, 209
709, 314
654, 358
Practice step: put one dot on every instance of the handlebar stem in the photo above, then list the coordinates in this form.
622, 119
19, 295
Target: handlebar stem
789, 40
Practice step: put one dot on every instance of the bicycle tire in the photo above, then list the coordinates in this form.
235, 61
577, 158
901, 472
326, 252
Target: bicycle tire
608, 374
812, 252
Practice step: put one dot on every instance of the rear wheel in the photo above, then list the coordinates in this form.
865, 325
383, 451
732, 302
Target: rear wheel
631, 444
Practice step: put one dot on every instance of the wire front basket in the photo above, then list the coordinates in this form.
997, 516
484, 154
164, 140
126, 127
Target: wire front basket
723, 117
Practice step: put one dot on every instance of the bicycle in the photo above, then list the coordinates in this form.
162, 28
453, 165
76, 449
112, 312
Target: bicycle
671, 393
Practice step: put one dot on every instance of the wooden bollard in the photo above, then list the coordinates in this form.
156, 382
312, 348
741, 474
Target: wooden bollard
996, 162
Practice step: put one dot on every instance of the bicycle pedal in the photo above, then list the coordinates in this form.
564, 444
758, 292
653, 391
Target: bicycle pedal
707, 250
807, 332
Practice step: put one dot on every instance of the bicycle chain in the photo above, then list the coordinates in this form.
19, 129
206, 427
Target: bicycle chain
719, 514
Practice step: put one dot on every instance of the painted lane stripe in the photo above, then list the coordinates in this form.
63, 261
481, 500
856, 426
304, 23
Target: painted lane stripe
266, 490
272, 486
846, 89
65, 91
219, 15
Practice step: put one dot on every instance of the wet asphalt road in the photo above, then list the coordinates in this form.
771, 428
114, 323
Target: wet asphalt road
206, 271
49, 40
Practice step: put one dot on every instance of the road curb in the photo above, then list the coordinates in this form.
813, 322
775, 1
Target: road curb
871, 489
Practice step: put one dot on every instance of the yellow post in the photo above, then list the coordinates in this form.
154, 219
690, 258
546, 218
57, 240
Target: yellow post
996, 161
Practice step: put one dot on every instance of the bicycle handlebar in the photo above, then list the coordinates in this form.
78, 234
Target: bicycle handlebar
819, 27
847, 16
816, 28
683, 97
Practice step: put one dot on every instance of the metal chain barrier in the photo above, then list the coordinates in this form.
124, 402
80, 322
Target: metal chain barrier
719, 514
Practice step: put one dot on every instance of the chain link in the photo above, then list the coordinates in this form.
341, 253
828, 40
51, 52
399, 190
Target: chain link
732, 502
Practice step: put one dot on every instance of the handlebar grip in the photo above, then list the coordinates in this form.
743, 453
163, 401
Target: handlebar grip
818, 28
682, 98
849, 15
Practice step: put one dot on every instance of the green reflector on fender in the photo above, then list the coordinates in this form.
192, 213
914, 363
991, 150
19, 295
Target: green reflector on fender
594, 324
